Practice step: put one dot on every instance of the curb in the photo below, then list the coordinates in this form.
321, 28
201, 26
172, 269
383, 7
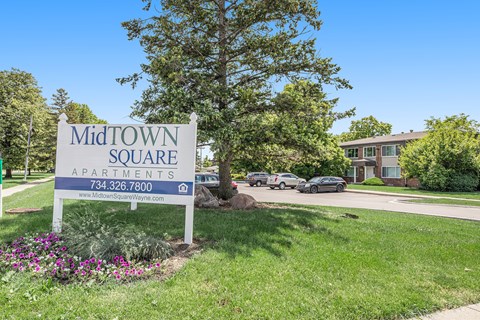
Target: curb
404, 195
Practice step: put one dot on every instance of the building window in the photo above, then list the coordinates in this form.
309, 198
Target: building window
390, 151
350, 172
351, 153
369, 152
390, 172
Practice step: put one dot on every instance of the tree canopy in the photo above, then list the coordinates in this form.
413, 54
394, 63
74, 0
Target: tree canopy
220, 58
20, 99
294, 132
77, 113
365, 128
448, 157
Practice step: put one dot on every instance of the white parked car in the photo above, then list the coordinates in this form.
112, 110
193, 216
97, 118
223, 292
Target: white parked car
283, 180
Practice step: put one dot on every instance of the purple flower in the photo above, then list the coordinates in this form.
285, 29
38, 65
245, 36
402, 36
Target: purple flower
92, 260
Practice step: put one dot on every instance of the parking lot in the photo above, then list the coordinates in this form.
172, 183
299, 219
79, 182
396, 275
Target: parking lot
358, 200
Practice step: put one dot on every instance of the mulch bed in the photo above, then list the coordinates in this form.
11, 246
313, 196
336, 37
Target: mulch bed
22, 210
182, 253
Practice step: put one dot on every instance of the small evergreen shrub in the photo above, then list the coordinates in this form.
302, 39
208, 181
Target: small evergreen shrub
373, 181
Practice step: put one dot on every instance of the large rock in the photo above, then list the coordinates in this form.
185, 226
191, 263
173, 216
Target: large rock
204, 198
243, 201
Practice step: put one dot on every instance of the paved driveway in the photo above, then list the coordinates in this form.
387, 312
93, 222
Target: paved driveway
358, 200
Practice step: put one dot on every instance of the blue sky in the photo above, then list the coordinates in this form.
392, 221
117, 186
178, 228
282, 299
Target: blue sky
407, 60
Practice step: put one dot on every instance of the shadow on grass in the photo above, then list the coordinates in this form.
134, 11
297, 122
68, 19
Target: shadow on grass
14, 226
233, 232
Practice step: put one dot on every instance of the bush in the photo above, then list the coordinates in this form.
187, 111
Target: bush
373, 181
463, 183
87, 236
435, 179
238, 176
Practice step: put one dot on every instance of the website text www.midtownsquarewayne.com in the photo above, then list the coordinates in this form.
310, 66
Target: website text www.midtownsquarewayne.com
119, 196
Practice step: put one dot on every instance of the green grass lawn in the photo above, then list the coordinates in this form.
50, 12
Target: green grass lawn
18, 178
413, 191
448, 201
290, 262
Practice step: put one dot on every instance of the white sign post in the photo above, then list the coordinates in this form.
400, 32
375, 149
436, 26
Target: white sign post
147, 163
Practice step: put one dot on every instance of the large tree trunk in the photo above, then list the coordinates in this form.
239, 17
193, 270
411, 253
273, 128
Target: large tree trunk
8, 174
225, 191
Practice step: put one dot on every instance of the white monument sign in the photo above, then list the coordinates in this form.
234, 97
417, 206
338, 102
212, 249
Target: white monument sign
151, 163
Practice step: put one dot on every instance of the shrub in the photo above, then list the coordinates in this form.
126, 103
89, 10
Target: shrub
462, 183
373, 181
238, 176
87, 236
435, 179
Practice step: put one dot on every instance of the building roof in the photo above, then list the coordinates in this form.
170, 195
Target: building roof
399, 137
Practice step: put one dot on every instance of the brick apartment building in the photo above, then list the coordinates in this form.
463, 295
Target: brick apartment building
378, 157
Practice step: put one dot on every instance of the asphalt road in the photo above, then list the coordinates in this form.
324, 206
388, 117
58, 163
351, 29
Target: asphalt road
359, 200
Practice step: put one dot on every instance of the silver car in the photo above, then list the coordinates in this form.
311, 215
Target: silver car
283, 180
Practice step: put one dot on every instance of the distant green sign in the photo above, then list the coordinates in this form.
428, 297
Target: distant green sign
1, 170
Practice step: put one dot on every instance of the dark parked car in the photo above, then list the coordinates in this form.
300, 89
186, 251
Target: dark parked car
257, 178
210, 181
318, 184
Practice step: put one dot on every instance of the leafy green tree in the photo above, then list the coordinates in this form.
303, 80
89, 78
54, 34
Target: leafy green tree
207, 162
219, 58
294, 133
365, 128
448, 157
20, 99
80, 113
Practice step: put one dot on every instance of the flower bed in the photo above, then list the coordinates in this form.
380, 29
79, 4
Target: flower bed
45, 255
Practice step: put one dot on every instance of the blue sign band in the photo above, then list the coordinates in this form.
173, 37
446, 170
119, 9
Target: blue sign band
181, 188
